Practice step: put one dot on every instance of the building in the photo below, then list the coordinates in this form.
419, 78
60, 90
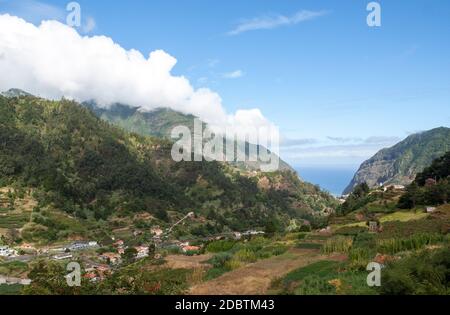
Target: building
394, 187
5, 251
253, 232
62, 256
91, 276
118, 244
111, 258
142, 251
431, 209
82, 245
157, 231
373, 226
237, 235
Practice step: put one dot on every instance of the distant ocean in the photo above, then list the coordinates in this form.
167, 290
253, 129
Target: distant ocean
331, 179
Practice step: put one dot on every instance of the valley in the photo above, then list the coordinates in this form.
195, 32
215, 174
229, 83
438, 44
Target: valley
77, 188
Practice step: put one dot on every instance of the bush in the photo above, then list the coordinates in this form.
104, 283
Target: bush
337, 244
192, 252
245, 255
271, 250
220, 246
359, 258
220, 259
233, 264
415, 242
422, 273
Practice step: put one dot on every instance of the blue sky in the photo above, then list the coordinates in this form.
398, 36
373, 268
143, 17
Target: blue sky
338, 89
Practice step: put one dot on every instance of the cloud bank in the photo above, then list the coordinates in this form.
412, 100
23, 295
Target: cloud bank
53, 60
334, 150
274, 21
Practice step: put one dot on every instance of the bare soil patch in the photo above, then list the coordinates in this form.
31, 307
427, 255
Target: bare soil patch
255, 279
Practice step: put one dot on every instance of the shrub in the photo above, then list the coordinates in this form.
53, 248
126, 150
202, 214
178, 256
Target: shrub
415, 242
426, 272
341, 244
359, 258
245, 255
220, 259
233, 264
220, 246
215, 272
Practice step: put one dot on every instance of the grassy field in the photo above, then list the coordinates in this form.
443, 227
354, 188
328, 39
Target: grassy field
403, 216
13, 289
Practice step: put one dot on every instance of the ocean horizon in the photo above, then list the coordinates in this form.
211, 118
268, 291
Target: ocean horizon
333, 179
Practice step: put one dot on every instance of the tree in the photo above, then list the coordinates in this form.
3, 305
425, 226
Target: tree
272, 226
130, 254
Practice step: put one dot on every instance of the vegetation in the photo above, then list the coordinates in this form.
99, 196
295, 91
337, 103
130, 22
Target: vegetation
82, 169
237, 254
323, 278
415, 242
337, 244
431, 187
400, 163
425, 272
358, 198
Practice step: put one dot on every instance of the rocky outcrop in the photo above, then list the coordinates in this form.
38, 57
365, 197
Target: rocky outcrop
401, 163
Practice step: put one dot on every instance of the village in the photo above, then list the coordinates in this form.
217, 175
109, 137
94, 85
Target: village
100, 260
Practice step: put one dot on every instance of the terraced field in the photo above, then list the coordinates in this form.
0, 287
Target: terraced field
255, 279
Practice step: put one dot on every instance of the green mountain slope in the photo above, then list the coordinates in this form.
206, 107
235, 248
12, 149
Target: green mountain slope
159, 123
401, 163
80, 165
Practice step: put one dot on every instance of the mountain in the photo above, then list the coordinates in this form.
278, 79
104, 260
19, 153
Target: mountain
160, 122
401, 163
87, 176
15, 93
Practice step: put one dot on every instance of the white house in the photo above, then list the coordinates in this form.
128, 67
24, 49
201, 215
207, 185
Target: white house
5, 251
63, 256
431, 209
142, 251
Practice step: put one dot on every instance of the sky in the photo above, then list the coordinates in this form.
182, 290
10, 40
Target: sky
338, 89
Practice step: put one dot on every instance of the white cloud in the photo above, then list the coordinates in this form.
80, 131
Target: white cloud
234, 74
335, 150
32, 10
53, 60
274, 21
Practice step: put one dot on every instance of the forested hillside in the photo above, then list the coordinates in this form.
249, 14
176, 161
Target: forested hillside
401, 163
160, 123
81, 165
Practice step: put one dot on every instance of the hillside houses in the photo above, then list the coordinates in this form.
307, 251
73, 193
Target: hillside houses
111, 258
82, 245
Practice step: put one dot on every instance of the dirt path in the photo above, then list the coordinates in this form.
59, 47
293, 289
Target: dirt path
255, 279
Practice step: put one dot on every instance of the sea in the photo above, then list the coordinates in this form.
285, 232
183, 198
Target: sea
332, 179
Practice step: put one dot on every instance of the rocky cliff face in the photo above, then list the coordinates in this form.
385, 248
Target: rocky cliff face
400, 163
